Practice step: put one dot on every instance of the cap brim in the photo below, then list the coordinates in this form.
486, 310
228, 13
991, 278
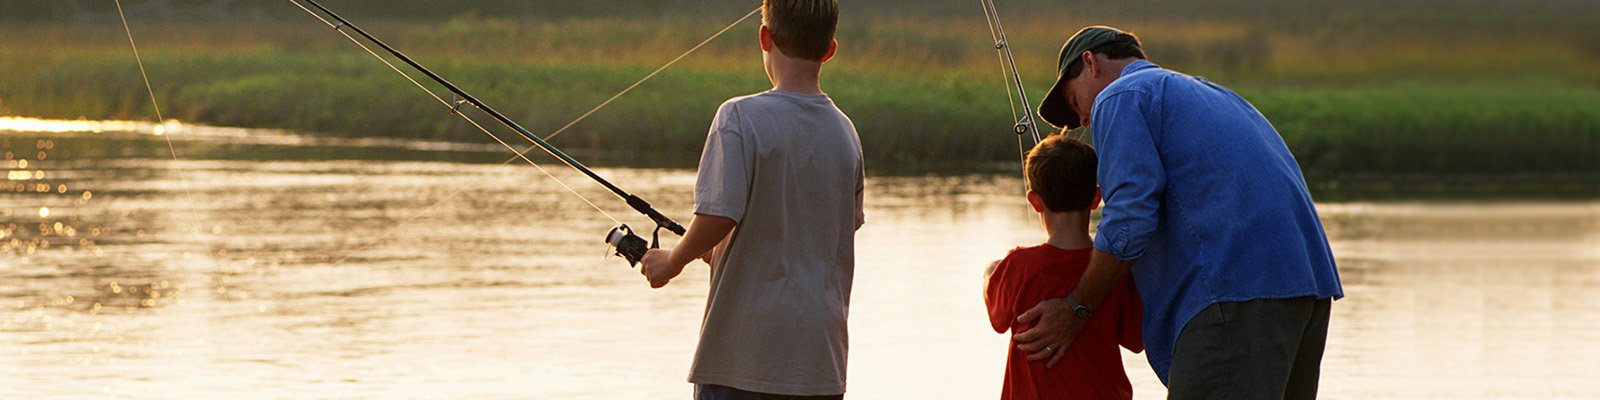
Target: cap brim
1054, 109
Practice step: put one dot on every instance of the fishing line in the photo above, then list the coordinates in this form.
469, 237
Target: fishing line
520, 154
607, 102
652, 74
173, 151
635, 202
160, 125
1003, 47
1000, 57
456, 111
1022, 154
1025, 125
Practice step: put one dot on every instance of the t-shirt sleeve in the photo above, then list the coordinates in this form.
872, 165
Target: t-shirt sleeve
1131, 313
722, 187
1000, 297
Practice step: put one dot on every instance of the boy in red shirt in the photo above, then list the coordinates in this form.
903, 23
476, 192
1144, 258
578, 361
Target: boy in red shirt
1062, 188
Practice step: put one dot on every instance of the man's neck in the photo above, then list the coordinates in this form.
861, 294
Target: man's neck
1068, 230
1118, 65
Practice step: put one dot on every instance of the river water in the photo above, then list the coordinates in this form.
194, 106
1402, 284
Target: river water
234, 271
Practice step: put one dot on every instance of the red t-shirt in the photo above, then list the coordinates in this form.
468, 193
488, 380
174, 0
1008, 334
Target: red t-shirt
1092, 367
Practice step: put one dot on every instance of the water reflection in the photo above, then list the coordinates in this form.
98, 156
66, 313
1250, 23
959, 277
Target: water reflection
216, 276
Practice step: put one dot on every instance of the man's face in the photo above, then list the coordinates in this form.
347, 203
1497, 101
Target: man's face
1080, 93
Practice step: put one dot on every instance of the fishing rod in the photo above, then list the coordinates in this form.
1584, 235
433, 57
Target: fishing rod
627, 244
1025, 125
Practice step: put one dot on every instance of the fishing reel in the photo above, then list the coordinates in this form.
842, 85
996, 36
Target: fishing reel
629, 245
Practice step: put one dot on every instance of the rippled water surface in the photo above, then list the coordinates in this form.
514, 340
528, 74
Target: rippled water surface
237, 272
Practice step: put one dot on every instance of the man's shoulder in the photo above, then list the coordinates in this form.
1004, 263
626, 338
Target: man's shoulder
1143, 77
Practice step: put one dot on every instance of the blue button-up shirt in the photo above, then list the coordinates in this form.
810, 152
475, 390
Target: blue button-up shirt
1200, 189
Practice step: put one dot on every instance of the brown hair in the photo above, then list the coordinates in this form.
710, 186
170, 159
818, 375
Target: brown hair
1062, 171
801, 29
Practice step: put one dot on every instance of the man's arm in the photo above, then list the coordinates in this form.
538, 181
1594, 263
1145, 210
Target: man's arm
1057, 324
705, 232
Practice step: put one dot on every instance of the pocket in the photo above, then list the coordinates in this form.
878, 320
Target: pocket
1212, 318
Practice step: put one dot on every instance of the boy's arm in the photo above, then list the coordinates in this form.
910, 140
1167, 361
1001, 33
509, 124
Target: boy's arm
721, 188
861, 196
999, 301
1132, 314
661, 265
988, 274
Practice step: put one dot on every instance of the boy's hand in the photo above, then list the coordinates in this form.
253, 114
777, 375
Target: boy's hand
659, 268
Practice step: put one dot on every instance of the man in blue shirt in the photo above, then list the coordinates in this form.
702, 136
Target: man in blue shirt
1208, 210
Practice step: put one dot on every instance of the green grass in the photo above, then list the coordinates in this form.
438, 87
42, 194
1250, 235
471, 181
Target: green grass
925, 91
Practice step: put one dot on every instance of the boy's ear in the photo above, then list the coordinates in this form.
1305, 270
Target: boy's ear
832, 47
1036, 201
766, 39
1096, 203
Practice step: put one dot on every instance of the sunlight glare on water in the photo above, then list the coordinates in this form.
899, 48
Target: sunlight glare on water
36, 125
367, 279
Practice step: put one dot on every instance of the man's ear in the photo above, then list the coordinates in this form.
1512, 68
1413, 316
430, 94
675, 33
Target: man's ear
1096, 203
766, 39
1036, 201
1090, 65
832, 47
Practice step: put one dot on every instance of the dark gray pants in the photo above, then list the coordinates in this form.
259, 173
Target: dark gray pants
1257, 349
719, 392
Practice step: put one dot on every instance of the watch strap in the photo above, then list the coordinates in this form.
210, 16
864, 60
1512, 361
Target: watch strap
1078, 309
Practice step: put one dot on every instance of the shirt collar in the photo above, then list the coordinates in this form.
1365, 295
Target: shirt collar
1137, 66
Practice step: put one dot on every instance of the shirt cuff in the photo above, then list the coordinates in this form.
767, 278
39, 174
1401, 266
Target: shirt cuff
1116, 244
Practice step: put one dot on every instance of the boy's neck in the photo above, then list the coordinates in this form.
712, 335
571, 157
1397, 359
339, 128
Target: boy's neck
1068, 230
793, 75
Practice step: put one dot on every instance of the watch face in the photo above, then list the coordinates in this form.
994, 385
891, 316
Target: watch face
1082, 312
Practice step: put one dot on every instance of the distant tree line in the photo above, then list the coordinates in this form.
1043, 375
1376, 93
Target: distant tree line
1469, 12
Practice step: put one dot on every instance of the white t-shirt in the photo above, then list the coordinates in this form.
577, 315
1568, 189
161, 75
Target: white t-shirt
787, 167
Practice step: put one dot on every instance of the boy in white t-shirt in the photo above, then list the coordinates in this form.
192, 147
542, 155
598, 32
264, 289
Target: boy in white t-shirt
777, 203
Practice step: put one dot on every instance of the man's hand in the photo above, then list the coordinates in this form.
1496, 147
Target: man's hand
659, 268
1055, 330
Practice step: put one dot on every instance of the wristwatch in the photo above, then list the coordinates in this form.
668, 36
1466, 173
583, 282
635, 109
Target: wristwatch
1078, 309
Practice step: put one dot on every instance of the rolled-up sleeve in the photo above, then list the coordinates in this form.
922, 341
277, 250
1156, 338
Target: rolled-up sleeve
1131, 175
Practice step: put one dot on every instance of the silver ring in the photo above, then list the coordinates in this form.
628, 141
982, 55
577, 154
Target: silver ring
1047, 349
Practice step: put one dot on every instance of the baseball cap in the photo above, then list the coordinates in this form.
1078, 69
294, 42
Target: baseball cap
1054, 109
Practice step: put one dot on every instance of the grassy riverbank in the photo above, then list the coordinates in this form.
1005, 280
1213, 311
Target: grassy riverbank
924, 89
